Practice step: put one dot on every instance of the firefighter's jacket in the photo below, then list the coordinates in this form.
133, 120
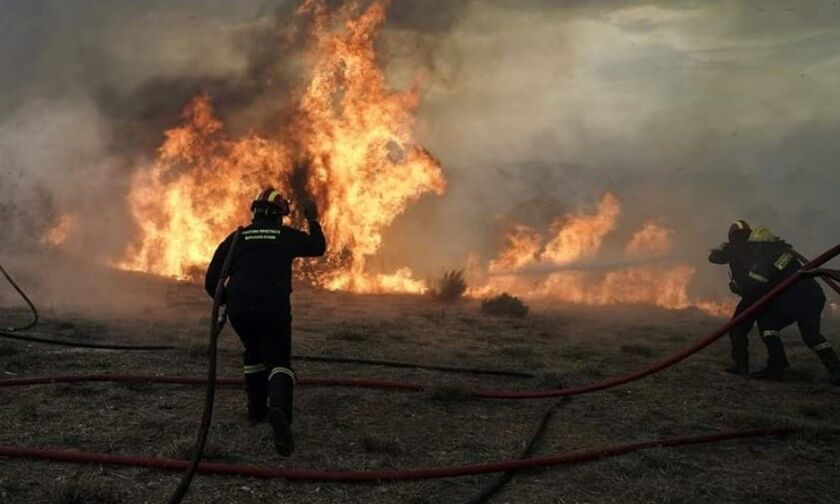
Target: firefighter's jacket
772, 262
261, 267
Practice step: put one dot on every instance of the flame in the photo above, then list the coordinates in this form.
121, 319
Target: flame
350, 136
61, 231
578, 237
348, 145
523, 248
575, 236
652, 239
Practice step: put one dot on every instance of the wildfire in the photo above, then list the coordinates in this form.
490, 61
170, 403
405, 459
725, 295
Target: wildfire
350, 137
347, 144
580, 236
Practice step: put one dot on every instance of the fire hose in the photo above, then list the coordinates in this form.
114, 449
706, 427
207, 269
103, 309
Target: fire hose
13, 332
217, 322
405, 365
827, 276
559, 459
32, 308
487, 394
505, 477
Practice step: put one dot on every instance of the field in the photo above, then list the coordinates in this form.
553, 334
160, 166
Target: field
358, 429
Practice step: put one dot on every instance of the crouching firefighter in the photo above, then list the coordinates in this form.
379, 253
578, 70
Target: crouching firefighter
773, 261
259, 309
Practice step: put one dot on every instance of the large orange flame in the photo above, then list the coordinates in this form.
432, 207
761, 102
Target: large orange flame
577, 237
348, 145
523, 248
350, 131
580, 236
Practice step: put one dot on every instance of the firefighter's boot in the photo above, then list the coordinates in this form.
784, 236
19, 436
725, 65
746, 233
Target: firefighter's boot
830, 360
256, 390
740, 355
281, 387
777, 361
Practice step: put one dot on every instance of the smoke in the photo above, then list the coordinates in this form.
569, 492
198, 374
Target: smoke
695, 113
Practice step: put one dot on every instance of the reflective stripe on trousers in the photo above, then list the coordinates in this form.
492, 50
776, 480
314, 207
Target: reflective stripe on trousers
282, 370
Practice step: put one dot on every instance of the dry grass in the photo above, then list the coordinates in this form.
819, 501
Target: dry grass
7, 350
344, 428
84, 492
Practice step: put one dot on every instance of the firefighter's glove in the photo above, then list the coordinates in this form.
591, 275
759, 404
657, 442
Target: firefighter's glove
310, 211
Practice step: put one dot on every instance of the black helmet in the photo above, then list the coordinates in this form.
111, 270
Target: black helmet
270, 202
739, 231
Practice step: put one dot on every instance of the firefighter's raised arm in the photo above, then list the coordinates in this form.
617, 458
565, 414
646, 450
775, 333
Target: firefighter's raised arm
313, 244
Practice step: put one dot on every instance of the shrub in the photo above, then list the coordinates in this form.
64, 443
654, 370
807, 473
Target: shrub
504, 305
451, 286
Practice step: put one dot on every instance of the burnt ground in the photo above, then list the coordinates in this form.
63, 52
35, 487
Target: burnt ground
354, 429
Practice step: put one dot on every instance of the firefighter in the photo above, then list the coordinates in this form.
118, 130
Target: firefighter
773, 260
259, 309
735, 253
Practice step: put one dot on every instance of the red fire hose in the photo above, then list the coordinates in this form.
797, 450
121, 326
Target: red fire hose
437, 472
672, 359
189, 380
827, 279
574, 457
489, 394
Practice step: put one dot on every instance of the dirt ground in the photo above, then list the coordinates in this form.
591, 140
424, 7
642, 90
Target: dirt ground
355, 429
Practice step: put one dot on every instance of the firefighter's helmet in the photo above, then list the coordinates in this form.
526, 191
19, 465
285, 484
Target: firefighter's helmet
270, 201
739, 231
